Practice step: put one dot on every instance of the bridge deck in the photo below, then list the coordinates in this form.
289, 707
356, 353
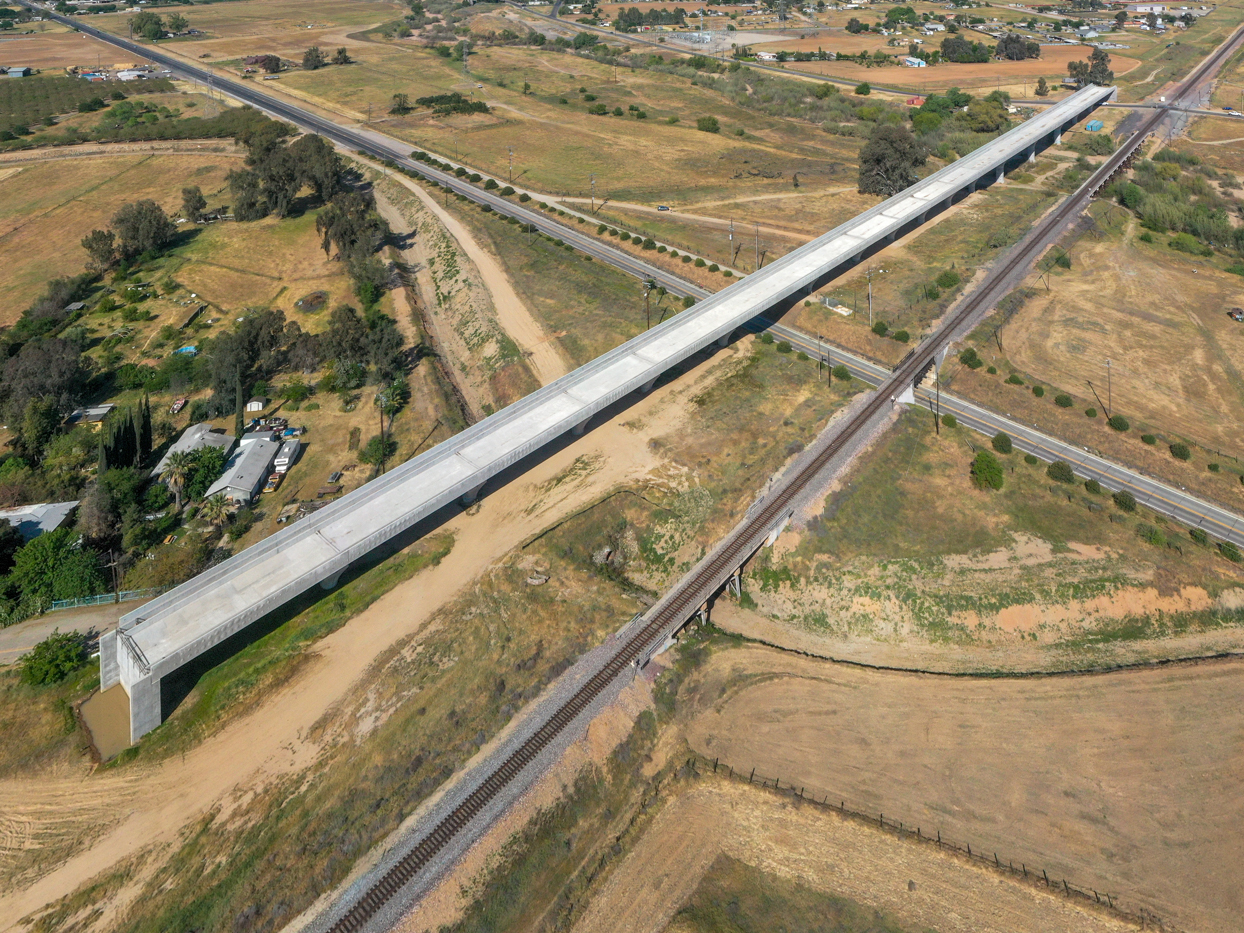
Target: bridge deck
174, 628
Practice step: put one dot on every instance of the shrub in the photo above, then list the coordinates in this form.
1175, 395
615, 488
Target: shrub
1091, 485
474, 178
948, 279
1038, 391
524, 197
649, 243
1229, 551
1214, 468
880, 328
1146, 237
624, 237
766, 337
863, 89
700, 263
1149, 439
600, 229
1002, 442
901, 336
986, 471
784, 347
713, 267
1030, 459
1014, 379
1180, 451
490, 184
1198, 535
1124, 500
1061, 471
506, 191
992, 370
1118, 422
950, 421
684, 258
1090, 412
54, 658
970, 359
708, 125
1063, 401
841, 373
802, 357
1150, 534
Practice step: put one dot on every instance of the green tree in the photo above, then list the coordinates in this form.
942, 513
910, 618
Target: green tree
377, 449
101, 248
313, 58
1042, 89
39, 423
177, 472
708, 125
342, 57
888, 161
986, 471
208, 464
193, 204
1061, 471
177, 23
1124, 500
142, 227
54, 658
1180, 451
148, 25
1118, 422
55, 566
400, 104
1002, 442
863, 89
216, 511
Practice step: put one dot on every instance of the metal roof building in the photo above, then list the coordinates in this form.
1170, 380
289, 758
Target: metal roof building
246, 470
34, 520
174, 628
193, 438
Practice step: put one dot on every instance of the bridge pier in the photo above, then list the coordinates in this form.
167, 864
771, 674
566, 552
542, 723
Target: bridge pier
723, 340
468, 497
702, 614
647, 386
999, 176
329, 582
1058, 137
109, 663
1032, 154
579, 428
735, 583
144, 706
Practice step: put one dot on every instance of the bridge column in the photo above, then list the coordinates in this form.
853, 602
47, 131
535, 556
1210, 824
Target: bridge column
1032, 154
144, 706
999, 176
469, 496
578, 429
735, 583
647, 386
702, 614
1058, 137
109, 663
723, 340
329, 582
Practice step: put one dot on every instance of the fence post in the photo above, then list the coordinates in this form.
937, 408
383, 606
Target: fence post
996, 863
1110, 900
939, 837
1096, 895
881, 820
752, 775
715, 765
1025, 868
1047, 878
1066, 888
969, 850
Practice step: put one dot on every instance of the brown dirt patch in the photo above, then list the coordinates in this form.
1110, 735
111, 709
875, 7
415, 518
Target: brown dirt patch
53, 51
1111, 780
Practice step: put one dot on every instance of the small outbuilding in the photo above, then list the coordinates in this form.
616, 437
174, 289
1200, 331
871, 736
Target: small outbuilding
92, 417
20, 71
258, 403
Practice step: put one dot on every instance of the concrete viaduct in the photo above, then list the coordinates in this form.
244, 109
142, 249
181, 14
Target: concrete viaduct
169, 632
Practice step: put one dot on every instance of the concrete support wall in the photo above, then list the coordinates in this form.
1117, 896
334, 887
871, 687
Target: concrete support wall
144, 707
109, 668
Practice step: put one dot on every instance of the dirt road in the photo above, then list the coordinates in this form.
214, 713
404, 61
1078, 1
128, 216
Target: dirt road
1117, 781
16, 640
536, 343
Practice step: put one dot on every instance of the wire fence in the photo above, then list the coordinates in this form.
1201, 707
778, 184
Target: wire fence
106, 598
700, 765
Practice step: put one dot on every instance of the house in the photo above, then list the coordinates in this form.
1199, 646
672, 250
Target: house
911, 61
930, 28
246, 470
91, 417
131, 74
915, 101
195, 437
20, 71
766, 56
34, 520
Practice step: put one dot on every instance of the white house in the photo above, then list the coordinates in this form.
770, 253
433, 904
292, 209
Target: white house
193, 438
34, 520
912, 62
246, 470
766, 56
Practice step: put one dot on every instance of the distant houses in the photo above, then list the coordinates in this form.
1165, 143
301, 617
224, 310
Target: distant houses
91, 417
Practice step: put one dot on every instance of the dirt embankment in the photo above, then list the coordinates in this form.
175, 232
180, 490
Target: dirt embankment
1114, 781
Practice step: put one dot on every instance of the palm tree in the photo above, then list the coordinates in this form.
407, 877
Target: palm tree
177, 471
215, 511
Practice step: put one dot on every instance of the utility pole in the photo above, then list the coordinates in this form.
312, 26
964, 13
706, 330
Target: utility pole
757, 246
369, 113
869, 275
732, 241
592, 177
511, 149
648, 284
1109, 392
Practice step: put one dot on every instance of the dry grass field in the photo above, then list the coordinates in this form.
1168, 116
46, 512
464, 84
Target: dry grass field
56, 48
1112, 781
47, 208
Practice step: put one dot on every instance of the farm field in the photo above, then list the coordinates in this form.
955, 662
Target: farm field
1089, 778
56, 49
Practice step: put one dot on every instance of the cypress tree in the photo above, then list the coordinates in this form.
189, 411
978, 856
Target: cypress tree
145, 432
238, 424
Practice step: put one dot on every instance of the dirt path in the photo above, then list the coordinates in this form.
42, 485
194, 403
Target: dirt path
17, 639
1113, 781
150, 804
702, 219
215, 146
536, 343
919, 885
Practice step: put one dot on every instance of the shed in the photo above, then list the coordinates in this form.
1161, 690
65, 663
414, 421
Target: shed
92, 417
258, 403
195, 437
912, 62
20, 71
1093, 126
75, 306
246, 471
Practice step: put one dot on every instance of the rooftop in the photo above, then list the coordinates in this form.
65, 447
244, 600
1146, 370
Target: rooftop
193, 438
89, 415
34, 520
247, 467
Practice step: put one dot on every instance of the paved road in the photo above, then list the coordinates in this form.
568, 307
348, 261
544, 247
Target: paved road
17, 639
1153, 493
